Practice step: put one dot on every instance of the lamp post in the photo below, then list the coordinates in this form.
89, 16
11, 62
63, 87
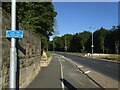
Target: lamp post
92, 46
53, 44
65, 45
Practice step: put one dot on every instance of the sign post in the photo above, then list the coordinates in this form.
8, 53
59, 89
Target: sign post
13, 54
13, 34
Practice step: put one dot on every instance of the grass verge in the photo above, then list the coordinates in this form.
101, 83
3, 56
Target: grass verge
113, 58
49, 54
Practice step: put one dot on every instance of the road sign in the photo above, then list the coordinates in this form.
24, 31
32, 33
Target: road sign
14, 34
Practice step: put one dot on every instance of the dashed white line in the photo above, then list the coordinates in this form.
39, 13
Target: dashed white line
61, 74
86, 72
79, 66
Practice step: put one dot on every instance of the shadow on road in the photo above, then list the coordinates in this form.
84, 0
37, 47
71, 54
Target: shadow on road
68, 85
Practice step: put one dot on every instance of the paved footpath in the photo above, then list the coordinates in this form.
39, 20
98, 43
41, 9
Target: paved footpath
48, 77
61, 74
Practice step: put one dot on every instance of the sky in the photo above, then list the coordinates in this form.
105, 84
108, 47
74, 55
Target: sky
75, 17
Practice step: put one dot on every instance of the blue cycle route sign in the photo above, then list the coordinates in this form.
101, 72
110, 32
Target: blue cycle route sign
14, 34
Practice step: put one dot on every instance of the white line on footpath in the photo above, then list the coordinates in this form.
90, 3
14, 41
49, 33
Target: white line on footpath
87, 72
79, 66
61, 74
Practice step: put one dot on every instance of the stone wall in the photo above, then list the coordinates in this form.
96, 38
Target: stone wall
28, 54
28, 74
0, 48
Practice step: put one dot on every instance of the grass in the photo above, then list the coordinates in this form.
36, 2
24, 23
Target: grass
79, 54
113, 58
49, 54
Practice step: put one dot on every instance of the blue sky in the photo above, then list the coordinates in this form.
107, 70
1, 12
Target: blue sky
76, 17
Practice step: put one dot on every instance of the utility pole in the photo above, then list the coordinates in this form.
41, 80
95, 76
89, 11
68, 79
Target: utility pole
92, 46
92, 43
53, 45
65, 45
13, 54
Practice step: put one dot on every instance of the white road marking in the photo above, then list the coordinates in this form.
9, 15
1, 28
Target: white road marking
86, 72
79, 66
61, 75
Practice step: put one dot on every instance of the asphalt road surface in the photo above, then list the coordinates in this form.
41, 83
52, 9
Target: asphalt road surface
63, 75
110, 69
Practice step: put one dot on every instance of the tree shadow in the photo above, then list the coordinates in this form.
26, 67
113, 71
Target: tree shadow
68, 85
18, 65
21, 48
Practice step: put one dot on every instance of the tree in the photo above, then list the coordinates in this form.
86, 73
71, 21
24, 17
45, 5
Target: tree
116, 38
50, 45
37, 16
109, 42
99, 39
79, 42
105, 41
68, 39
84, 37
75, 43
58, 43
112, 40
6, 6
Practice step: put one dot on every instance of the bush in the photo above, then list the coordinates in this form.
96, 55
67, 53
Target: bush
49, 54
113, 58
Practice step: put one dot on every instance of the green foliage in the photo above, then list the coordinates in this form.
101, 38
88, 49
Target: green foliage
6, 6
58, 43
105, 41
80, 41
68, 39
37, 16
75, 43
109, 42
50, 45
112, 40
49, 54
44, 41
100, 39
113, 58
84, 37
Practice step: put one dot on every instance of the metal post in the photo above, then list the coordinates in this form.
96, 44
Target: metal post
53, 45
65, 45
92, 44
13, 55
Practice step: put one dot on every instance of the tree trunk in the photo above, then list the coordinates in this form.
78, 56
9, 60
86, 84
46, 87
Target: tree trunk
116, 47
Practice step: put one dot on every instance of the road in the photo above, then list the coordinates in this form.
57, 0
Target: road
109, 69
63, 75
